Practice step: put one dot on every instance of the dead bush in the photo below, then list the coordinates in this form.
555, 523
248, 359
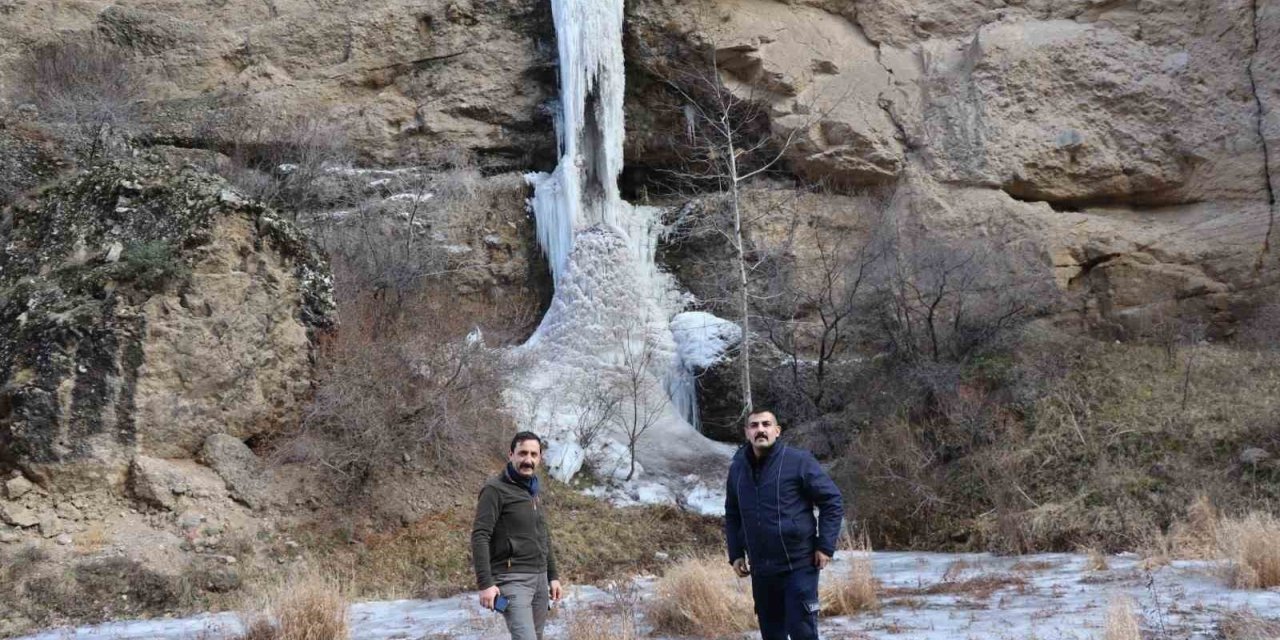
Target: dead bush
615, 620
852, 588
307, 606
1252, 545
701, 597
86, 88
1247, 625
420, 393
1121, 622
290, 163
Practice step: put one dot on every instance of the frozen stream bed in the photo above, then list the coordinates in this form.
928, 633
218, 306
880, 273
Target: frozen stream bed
924, 595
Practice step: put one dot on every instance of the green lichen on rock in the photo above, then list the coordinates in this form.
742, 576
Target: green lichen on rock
80, 261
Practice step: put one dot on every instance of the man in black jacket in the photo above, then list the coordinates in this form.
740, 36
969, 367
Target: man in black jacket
771, 532
511, 546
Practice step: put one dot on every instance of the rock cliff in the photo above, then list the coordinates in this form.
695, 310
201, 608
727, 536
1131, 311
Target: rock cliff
144, 308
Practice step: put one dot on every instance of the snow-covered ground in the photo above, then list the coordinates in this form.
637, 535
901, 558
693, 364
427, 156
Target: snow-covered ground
925, 596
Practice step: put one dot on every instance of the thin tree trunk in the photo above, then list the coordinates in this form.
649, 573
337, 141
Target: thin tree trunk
742, 273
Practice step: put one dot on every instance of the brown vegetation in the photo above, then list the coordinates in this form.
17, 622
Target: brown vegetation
306, 606
85, 91
1247, 625
1121, 622
1252, 545
850, 588
430, 557
700, 597
1069, 442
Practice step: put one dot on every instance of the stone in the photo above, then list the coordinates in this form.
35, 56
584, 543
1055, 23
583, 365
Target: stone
16, 487
238, 466
9, 536
63, 539
18, 516
49, 525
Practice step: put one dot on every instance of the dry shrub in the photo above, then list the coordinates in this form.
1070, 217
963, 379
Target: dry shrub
701, 597
1247, 625
416, 392
852, 589
308, 606
1198, 536
282, 161
1121, 621
1095, 559
616, 620
598, 625
85, 87
1252, 545
981, 586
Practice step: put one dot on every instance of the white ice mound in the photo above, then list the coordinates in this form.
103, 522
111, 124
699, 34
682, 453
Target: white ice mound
702, 339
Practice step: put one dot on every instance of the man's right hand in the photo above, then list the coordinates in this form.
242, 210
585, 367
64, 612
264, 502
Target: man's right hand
488, 596
741, 567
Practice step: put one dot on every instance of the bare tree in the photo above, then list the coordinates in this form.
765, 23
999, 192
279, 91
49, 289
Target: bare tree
941, 301
88, 87
595, 408
816, 310
640, 396
728, 142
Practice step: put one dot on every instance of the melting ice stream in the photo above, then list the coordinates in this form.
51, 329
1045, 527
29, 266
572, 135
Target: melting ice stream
924, 595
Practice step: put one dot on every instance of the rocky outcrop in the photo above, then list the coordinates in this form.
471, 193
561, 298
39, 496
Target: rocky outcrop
143, 309
817, 77
390, 74
1131, 143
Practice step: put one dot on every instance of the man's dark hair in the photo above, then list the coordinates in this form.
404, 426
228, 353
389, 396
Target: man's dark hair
526, 435
762, 409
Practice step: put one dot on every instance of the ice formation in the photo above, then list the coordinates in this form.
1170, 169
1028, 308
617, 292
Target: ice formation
610, 331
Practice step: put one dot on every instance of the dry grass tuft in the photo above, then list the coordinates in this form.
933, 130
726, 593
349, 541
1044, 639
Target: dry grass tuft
1246, 625
1095, 559
1198, 536
701, 597
981, 586
309, 606
1250, 544
1122, 622
852, 589
600, 625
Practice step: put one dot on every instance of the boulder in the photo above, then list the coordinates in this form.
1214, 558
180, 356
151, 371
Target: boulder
160, 482
17, 515
16, 487
238, 467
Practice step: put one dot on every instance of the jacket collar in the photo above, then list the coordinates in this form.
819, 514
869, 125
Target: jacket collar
511, 475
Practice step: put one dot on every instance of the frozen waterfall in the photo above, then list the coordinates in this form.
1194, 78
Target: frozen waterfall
615, 335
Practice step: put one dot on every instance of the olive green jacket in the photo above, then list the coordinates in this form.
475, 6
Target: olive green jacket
509, 534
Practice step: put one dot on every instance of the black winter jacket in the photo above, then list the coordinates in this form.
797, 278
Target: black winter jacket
769, 512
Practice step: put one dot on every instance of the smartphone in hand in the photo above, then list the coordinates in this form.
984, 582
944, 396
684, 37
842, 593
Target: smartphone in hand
500, 603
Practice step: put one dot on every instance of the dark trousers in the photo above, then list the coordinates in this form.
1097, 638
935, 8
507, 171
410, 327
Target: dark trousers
787, 604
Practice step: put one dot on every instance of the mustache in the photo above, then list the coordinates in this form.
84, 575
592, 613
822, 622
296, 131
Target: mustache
526, 465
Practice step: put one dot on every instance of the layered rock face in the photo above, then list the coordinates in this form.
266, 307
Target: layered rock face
469, 73
1131, 141
144, 309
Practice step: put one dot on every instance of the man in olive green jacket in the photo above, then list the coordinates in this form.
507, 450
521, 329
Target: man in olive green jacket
511, 545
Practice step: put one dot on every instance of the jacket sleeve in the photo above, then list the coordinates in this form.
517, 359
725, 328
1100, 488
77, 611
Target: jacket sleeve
732, 518
552, 573
824, 494
487, 510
